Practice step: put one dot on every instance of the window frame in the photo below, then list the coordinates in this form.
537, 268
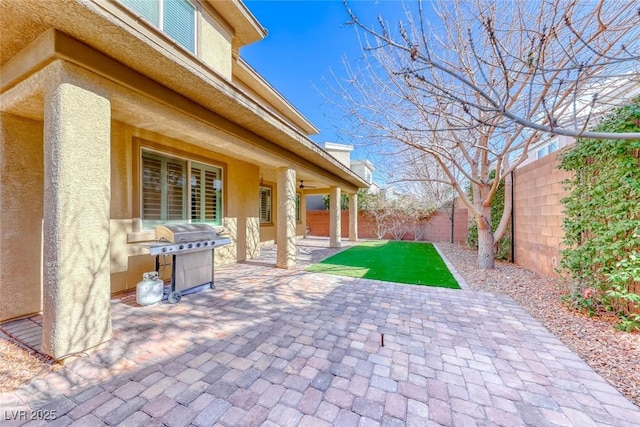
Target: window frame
298, 207
189, 162
262, 221
547, 149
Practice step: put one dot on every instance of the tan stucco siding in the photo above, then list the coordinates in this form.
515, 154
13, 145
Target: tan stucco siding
215, 45
240, 202
77, 199
21, 210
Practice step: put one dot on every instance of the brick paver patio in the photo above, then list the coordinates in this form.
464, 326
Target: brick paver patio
273, 347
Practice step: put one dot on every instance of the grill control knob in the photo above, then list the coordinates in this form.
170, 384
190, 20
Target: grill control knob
181, 247
190, 245
198, 245
206, 243
164, 249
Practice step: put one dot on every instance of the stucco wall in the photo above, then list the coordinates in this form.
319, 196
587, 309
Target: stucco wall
240, 203
538, 214
77, 199
21, 201
215, 45
21, 204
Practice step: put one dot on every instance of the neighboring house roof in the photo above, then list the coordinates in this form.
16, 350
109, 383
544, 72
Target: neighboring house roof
104, 37
364, 163
334, 146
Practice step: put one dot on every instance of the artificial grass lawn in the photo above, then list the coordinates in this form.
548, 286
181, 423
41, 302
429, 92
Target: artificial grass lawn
415, 263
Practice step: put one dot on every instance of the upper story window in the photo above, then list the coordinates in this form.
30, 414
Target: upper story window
547, 149
176, 18
180, 190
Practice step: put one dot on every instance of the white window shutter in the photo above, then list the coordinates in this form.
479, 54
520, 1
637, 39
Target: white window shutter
148, 9
179, 22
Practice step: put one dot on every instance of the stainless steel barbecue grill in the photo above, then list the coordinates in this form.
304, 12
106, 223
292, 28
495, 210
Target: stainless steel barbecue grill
192, 248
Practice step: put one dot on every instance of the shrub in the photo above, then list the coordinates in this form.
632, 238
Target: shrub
602, 222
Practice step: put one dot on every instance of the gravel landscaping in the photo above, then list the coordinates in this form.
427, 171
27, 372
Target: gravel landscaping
613, 354
20, 366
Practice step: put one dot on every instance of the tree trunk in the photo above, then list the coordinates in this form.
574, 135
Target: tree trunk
486, 248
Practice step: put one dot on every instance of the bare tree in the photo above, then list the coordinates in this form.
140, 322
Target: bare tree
429, 183
393, 215
375, 206
477, 88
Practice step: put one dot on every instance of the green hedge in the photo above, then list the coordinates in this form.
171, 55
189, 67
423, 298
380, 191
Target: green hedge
602, 222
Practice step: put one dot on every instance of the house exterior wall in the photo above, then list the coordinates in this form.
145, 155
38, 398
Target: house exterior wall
22, 198
538, 214
21, 204
215, 45
240, 203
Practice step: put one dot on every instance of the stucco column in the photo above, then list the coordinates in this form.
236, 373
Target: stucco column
77, 192
286, 234
353, 217
335, 227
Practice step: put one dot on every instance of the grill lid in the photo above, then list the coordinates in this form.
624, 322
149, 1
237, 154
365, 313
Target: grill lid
175, 233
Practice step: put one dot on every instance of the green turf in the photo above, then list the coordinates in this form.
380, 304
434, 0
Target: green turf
392, 261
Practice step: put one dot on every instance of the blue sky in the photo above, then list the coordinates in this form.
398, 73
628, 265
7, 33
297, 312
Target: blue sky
306, 41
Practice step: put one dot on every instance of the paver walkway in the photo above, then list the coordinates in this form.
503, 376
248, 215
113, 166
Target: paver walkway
274, 347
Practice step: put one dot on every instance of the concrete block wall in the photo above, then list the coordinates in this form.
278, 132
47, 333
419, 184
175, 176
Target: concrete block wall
437, 227
318, 223
538, 214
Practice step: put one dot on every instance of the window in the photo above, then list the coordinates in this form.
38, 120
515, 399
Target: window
206, 188
298, 208
166, 197
176, 18
547, 149
265, 205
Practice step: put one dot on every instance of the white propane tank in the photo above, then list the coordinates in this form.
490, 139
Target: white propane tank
150, 290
